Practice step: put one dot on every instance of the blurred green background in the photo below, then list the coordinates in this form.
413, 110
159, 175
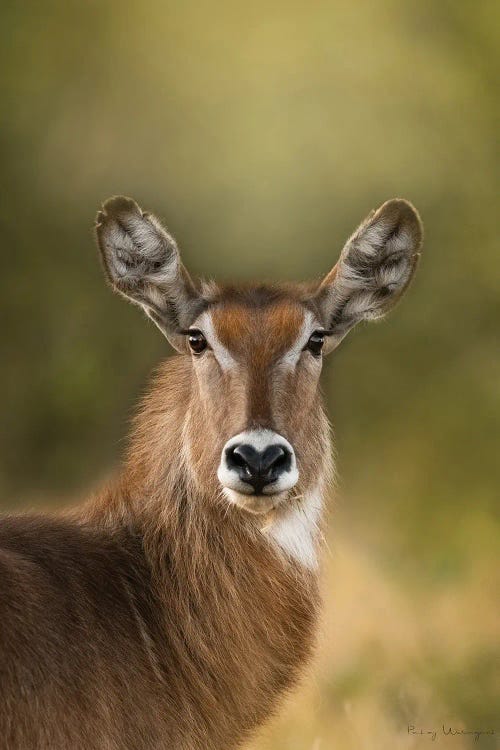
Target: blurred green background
262, 135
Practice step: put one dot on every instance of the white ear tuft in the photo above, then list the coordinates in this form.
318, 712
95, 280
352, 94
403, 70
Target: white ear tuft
374, 269
142, 262
135, 247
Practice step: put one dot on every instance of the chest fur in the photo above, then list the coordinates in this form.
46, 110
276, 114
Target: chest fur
237, 637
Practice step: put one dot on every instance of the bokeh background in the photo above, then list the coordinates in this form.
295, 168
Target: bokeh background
263, 133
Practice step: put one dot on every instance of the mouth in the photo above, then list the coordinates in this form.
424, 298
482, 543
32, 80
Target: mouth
255, 504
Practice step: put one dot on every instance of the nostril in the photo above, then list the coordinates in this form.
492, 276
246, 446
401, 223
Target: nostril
282, 461
271, 457
236, 458
243, 458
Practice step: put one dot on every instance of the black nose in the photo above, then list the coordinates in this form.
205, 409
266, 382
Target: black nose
258, 468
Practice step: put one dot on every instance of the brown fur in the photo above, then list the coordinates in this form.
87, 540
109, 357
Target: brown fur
266, 333
155, 616
158, 615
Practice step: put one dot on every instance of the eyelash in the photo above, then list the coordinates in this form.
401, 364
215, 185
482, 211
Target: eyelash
316, 342
196, 341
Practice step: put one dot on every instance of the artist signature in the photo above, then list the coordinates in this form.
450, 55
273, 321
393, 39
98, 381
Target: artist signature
449, 731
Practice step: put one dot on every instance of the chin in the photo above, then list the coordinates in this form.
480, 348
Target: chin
256, 504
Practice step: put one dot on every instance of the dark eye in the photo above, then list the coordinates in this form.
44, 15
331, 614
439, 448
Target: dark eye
315, 343
197, 342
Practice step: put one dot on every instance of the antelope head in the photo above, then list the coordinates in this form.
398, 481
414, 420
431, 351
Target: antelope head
254, 426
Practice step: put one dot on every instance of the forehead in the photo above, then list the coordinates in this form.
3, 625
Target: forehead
261, 319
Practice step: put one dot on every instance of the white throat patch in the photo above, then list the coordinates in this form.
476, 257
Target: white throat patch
295, 530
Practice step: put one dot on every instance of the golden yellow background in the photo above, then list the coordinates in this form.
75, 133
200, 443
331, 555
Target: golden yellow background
263, 133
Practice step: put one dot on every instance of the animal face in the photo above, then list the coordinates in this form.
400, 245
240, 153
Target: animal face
254, 422
257, 356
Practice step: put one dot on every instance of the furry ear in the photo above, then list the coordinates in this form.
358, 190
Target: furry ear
142, 262
373, 271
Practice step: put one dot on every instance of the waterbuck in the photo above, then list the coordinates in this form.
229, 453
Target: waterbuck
176, 607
